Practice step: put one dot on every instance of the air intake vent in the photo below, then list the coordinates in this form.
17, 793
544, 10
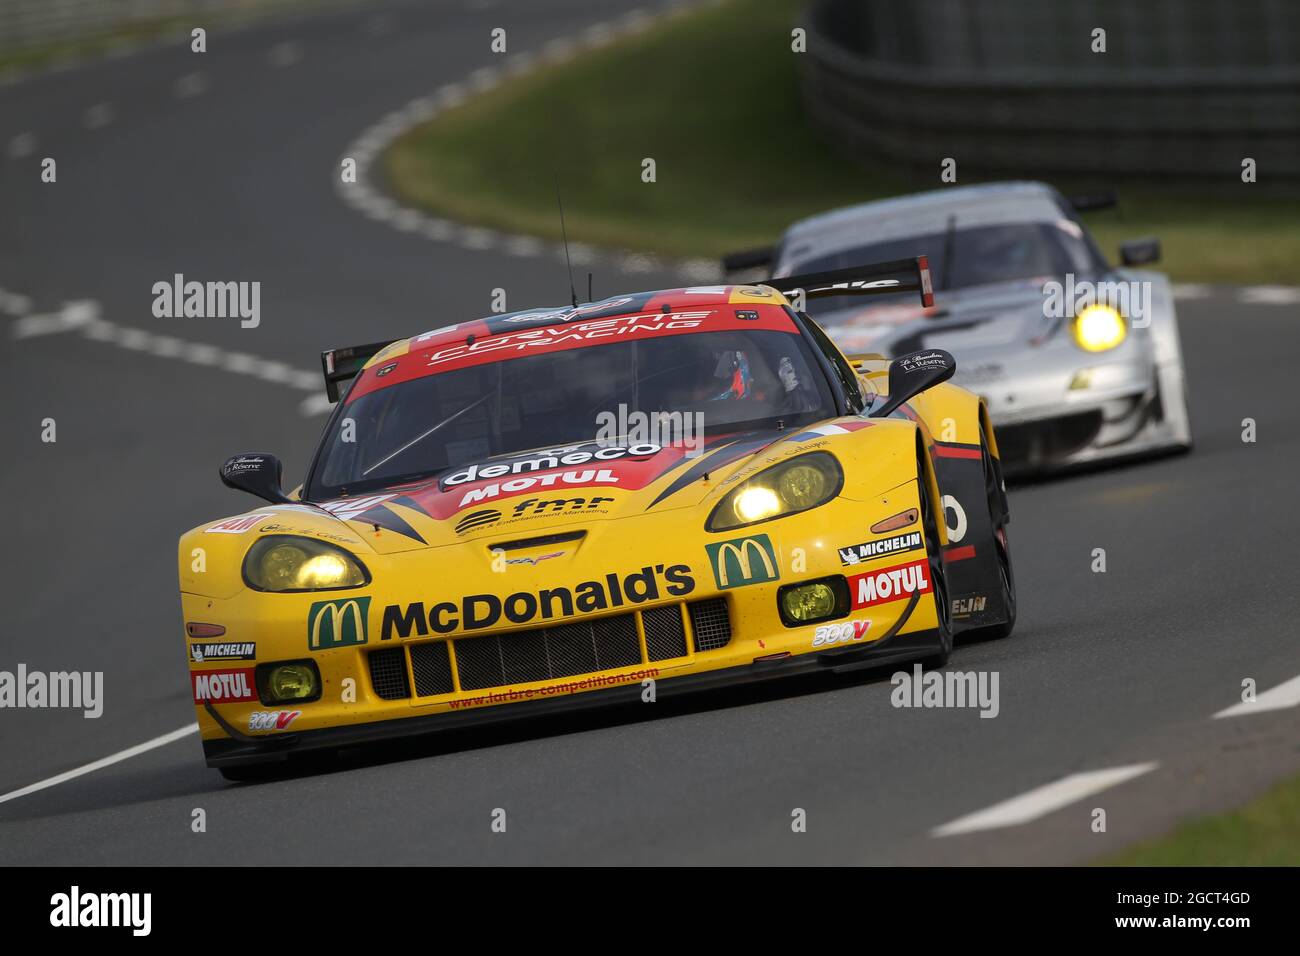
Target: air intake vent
388, 673
710, 623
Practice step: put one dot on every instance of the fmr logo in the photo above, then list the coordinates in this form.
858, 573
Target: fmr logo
743, 561
337, 623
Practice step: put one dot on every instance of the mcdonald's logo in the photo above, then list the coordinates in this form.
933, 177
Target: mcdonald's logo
743, 561
337, 623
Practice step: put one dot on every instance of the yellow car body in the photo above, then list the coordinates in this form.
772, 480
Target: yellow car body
561, 595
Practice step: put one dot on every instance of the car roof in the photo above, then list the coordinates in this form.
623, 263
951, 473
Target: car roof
920, 214
659, 302
632, 316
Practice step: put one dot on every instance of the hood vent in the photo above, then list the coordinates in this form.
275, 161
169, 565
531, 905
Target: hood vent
538, 542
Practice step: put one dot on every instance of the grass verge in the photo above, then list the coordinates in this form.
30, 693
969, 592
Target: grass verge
713, 97
1265, 832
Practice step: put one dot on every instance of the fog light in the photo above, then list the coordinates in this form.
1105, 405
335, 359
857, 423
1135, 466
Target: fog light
293, 681
815, 601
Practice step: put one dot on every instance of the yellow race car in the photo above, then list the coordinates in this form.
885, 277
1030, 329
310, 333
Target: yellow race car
567, 507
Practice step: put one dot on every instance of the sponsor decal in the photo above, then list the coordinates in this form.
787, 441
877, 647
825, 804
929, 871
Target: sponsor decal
840, 632
276, 528
222, 651
568, 315
242, 464
532, 507
589, 476
223, 687
870, 550
272, 719
969, 605
477, 611
567, 335
349, 508
477, 519
548, 461
890, 584
742, 561
339, 623
923, 361
237, 525
536, 560
747, 315
956, 530
385, 369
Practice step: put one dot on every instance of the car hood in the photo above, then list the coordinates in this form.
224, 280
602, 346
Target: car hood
530, 497
978, 320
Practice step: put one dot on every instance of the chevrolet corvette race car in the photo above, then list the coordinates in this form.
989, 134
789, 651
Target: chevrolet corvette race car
1079, 362
559, 508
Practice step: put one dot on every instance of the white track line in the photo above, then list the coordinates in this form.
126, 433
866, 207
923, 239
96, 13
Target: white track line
100, 764
1043, 800
1278, 698
1269, 295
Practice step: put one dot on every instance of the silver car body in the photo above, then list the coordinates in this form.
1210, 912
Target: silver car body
1053, 404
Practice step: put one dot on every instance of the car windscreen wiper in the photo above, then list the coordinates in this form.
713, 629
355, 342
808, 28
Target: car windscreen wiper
419, 438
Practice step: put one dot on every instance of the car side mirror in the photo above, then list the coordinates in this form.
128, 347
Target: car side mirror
257, 473
1140, 252
912, 374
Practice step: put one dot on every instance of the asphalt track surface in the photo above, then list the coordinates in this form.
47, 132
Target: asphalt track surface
1105, 670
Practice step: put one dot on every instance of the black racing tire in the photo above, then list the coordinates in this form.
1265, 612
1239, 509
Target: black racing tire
939, 580
993, 487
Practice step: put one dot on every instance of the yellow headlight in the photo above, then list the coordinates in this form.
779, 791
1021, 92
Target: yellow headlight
325, 571
285, 563
795, 485
1098, 328
756, 503
802, 486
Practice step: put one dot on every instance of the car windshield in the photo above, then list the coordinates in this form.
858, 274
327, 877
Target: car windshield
970, 257
737, 380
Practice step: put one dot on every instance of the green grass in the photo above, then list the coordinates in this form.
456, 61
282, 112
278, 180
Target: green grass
140, 31
713, 97
1265, 832
136, 32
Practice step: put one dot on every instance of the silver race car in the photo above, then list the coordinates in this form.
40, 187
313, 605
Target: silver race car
1078, 361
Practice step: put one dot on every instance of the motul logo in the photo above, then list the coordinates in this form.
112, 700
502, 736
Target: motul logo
890, 584
219, 687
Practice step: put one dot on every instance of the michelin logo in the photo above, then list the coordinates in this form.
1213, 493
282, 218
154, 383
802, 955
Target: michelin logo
857, 553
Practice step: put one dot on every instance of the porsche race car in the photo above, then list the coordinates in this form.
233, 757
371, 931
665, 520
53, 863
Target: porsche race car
1080, 362
560, 508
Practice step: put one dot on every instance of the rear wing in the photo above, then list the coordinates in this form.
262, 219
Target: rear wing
876, 278
342, 365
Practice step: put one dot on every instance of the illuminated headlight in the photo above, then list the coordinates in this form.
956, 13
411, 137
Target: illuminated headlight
287, 563
288, 682
814, 601
785, 489
1099, 328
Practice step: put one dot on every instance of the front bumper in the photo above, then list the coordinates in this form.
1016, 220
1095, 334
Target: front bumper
1066, 415
428, 680
239, 749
